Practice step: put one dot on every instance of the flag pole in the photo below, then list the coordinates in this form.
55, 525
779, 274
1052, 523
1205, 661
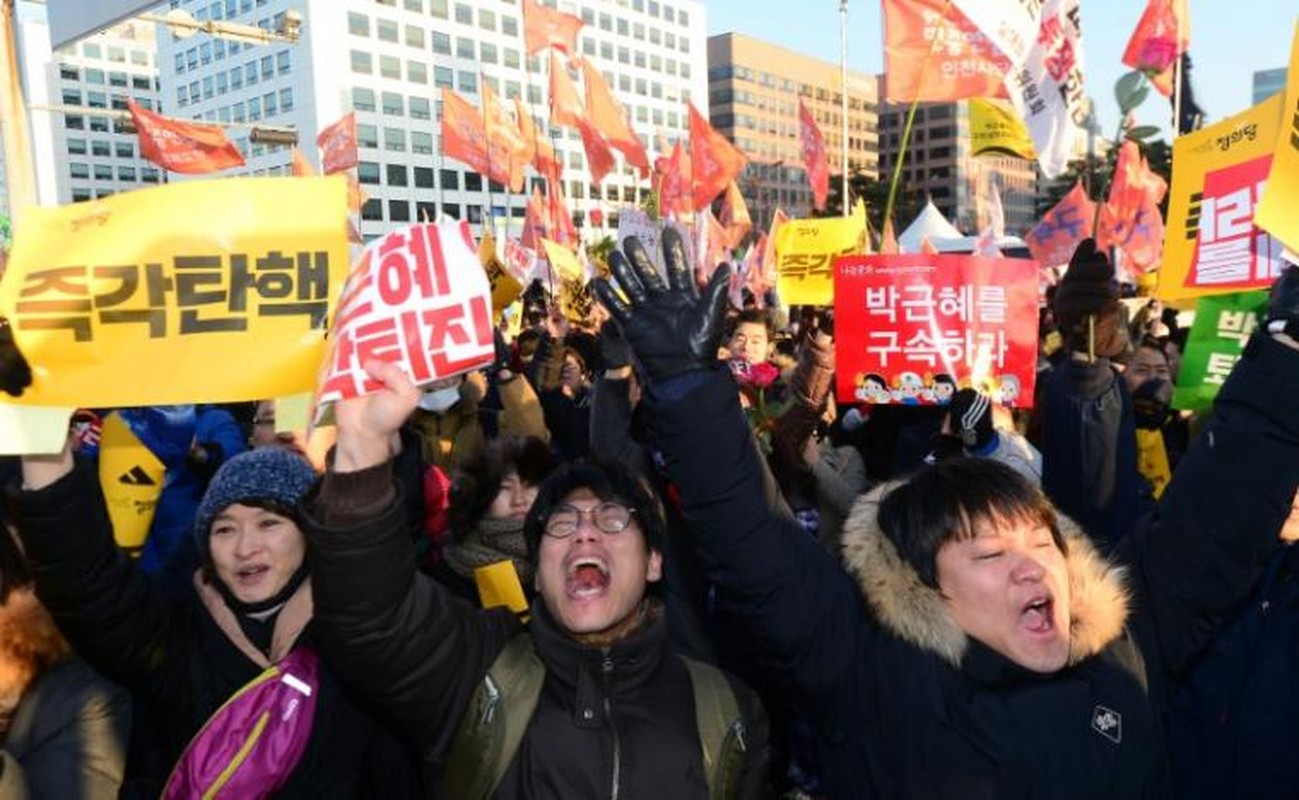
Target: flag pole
15, 136
843, 97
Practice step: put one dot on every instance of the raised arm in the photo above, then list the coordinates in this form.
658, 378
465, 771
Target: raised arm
394, 634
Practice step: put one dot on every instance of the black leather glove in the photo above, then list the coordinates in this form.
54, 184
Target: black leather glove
1283, 305
615, 353
971, 416
671, 329
15, 372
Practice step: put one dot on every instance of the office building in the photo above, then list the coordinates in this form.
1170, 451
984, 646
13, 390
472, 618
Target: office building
1268, 82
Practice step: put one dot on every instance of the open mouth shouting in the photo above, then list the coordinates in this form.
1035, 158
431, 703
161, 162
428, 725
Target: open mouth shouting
586, 578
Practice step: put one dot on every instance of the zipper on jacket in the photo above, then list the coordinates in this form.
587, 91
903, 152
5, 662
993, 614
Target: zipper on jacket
492, 698
606, 667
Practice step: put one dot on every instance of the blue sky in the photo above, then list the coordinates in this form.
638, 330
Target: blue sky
1230, 39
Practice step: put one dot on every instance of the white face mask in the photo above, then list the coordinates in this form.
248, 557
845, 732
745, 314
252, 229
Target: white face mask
439, 400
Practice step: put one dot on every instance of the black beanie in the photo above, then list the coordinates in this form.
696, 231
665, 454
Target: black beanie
1088, 290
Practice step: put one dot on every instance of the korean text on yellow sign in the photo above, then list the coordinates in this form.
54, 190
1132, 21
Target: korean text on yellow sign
805, 253
209, 291
996, 129
1211, 244
1276, 212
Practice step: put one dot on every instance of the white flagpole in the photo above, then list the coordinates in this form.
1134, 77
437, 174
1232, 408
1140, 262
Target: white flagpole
843, 97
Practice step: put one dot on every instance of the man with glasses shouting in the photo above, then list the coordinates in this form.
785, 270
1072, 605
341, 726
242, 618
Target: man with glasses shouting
589, 701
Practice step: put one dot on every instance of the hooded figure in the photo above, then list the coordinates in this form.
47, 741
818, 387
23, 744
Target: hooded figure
249, 607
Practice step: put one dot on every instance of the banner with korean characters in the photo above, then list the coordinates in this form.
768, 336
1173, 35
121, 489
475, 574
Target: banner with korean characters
1218, 336
1276, 211
912, 329
204, 291
805, 255
418, 298
1220, 173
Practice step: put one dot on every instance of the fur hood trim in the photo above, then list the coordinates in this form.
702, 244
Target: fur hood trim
30, 643
904, 605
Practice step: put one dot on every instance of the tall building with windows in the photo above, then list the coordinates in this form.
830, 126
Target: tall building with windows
80, 156
754, 89
1268, 82
939, 165
389, 59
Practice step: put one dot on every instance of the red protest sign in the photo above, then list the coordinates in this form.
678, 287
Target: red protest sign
417, 297
913, 329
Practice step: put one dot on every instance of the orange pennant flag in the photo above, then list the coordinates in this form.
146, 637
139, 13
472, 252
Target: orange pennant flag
507, 152
300, 166
735, 216
673, 185
610, 119
814, 156
962, 63
1053, 240
1162, 34
337, 145
542, 157
1130, 217
546, 27
356, 196
715, 161
888, 240
534, 222
598, 155
187, 147
927, 247
463, 137
565, 106
560, 221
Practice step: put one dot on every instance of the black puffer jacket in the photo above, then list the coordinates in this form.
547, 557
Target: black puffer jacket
420, 653
905, 703
175, 659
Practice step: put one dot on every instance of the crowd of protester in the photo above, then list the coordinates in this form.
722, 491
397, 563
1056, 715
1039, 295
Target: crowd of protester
728, 584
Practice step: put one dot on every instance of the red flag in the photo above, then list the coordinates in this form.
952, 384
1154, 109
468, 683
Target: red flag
1162, 34
674, 187
599, 157
463, 136
1130, 216
565, 106
754, 279
965, 64
1054, 239
610, 119
562, 228
337, 145
546, 27
301, 167
818, 166
188, 147
715, 161
735, 217
542, 156
534, 222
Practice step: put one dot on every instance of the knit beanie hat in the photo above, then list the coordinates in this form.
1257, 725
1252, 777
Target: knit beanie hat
1088, 290
266, 474
971, 414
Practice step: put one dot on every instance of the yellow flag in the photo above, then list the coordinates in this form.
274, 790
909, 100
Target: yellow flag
499, 585
562, 261
996, 129
205, 291
1211, 244
131, 477
805, 253
505, 289
1276, 212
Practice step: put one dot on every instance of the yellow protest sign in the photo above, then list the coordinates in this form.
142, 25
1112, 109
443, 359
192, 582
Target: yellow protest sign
805, 253
1276, 211
206, 291
996, 129
499, 585
505, 289
563, 262
131, 477
1211, 244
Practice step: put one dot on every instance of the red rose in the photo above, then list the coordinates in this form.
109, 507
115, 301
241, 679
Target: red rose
761, 376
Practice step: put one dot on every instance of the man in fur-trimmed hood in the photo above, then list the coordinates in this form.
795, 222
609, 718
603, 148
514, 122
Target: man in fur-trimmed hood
978, 646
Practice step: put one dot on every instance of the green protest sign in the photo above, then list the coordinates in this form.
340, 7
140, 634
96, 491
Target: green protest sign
1222, 326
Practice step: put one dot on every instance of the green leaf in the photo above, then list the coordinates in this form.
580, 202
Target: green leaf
1131, 90
1142, 132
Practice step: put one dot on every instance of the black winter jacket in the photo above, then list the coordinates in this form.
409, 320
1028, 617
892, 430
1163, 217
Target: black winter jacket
420, 653
906, 704
178, 663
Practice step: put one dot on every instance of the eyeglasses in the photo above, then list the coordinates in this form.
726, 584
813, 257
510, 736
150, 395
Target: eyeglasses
608, 517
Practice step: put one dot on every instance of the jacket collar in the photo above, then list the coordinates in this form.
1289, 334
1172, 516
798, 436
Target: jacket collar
917, 614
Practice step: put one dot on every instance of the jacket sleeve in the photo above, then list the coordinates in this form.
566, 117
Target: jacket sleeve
611, 423
1221, 515
111, 613
802, 610
392, 633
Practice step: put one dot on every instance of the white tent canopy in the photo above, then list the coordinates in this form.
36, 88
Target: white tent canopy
929, 223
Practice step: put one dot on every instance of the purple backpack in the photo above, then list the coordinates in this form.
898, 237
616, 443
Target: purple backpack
250, 746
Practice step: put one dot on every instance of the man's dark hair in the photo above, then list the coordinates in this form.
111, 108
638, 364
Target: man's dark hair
479, 479
607, 480
758, 316
949, 501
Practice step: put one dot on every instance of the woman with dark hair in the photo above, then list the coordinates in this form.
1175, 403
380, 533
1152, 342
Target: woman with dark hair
490, 498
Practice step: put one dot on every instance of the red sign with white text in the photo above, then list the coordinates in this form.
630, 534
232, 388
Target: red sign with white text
419, 298
913, 329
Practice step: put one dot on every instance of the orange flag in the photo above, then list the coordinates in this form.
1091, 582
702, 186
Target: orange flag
534, 222
565, 106
337, 145
715, 161
1162, 34
966, 64
1052, 241
610, 119
1130, 217
599, 157
300, 166
814, 157
562, 227
187, 147
546, 27
505, 143
715, 245
463, 136
888, 240
927, 247
542, 156
735, 216
673, 185
356, 196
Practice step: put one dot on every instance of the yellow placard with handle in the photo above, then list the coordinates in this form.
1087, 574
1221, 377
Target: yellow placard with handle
996, 129
499, 585
131, 477
505, 289
805, 254
1276, 211
207, 291
563, 261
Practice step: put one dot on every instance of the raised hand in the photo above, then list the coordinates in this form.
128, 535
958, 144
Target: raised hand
671, 329
368, 425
